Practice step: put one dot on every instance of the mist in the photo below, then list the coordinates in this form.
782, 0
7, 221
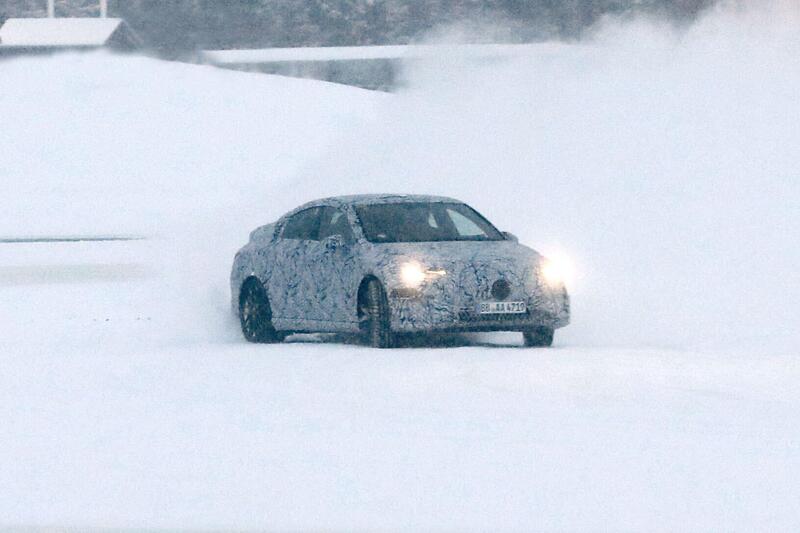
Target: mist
660, 160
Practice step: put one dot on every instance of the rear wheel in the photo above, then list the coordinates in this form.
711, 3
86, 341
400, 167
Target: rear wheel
378, 332
255, 315
538, 337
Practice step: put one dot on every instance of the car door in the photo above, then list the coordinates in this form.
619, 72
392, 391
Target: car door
291, 287
334, 271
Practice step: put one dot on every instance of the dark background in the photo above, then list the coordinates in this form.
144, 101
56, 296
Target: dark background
173, 26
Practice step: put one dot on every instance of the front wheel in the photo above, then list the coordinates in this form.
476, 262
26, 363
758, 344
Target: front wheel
255, 315
538, 337
378, 331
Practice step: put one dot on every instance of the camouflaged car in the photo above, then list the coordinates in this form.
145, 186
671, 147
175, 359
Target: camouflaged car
385, 265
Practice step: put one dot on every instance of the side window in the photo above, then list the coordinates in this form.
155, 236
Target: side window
334, 222
464, 226
303, 225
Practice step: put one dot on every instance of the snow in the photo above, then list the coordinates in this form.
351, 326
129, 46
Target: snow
354, 53
663, 164
58, 31
308, 435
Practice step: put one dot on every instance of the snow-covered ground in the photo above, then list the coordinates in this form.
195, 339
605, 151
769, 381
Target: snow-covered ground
665, 165
356, 53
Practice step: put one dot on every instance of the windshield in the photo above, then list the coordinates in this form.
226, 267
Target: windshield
424, 222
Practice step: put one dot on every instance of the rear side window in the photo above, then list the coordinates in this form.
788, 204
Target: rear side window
334, 222
303, 225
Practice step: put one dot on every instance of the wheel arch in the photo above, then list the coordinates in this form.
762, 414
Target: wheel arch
249, 281
362, 292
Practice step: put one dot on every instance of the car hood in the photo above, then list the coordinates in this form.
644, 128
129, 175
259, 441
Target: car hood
456, 255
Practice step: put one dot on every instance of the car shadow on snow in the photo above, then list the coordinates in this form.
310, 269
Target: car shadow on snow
427, 340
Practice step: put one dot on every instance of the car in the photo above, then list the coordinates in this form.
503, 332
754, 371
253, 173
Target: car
387, 265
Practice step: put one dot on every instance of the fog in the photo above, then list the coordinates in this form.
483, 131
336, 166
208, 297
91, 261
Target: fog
659, 162
662, 161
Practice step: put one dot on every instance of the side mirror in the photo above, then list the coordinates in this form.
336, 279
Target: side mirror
334, 242
510, 236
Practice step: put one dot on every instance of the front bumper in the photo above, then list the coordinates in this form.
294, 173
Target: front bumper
440, 310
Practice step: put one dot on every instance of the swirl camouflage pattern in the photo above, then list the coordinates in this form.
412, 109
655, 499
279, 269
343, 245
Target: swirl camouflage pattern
390, 264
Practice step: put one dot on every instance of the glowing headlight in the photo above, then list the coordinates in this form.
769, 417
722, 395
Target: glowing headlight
556, 269
412, 275
553, 272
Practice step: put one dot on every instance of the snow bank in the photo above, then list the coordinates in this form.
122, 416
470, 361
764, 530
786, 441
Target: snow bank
94, 142
188, 156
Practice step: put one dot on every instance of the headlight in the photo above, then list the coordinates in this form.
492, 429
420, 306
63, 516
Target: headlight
412, 274
557, 270
552, 273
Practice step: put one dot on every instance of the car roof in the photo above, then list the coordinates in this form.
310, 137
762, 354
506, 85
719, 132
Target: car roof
371, 199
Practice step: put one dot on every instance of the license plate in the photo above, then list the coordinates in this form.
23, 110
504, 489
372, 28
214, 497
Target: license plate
493, 308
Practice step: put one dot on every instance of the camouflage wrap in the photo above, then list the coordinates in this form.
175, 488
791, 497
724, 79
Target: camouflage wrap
313, 285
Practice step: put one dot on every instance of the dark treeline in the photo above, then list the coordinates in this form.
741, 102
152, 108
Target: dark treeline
180, 25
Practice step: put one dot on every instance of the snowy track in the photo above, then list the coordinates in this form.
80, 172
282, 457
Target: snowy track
113, 417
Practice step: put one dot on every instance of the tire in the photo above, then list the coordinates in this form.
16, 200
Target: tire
255, 315
378, 331
539, 337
